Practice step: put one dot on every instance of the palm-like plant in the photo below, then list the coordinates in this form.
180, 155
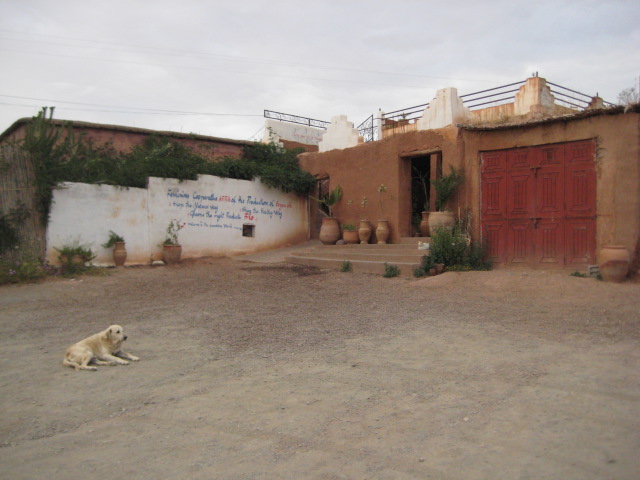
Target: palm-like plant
446, 187
330, 199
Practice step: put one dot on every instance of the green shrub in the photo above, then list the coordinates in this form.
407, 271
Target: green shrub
455, 251
59, 155
391, 271
8, 235
28, 270
346, 266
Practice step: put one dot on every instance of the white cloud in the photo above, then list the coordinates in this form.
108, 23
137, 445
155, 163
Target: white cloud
314, 59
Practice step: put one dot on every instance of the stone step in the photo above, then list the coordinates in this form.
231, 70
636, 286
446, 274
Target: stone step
369, 258
390, 256
361, 266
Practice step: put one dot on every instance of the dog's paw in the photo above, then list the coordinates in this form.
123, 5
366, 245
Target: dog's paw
134, 358
123, 362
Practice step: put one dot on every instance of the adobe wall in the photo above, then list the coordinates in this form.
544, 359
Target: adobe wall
617, 139
123, 139
362, 169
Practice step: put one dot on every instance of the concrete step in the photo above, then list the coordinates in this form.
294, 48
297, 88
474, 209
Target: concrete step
368, 258
370, 254
413, 240
362, 266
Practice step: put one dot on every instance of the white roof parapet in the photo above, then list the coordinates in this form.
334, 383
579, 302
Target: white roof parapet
276, 130
340, 134
446, 109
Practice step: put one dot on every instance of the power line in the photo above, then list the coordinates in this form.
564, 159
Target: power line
135, 110
182, 53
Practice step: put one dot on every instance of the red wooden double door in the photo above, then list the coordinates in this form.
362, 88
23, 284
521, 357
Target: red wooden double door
539, 205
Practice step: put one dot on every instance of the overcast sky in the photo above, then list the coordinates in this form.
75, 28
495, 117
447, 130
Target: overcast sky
212, 67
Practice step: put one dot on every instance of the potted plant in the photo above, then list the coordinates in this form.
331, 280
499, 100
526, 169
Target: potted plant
445, 187
117, 242
349, 233
330, 229
171, 248
74, 256
364, 229
382, 230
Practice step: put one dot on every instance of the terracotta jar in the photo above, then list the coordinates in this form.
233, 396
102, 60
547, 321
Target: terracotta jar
172, 254
350, 236
614, 263
424, 225
382, 231
364, 231
329, 231
119, 254
440, 220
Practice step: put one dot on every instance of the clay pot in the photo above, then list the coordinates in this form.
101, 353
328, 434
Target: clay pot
77, 260
364, 231
439, 268
119, 254
614, 263
440, 220
172, 254
382, 231
329, 231
424, 225
350, 236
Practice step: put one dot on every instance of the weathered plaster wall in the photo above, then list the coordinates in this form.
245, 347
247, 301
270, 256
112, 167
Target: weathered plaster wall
212, 209
362, 169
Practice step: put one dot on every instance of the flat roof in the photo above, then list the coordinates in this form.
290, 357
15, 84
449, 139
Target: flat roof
121, 128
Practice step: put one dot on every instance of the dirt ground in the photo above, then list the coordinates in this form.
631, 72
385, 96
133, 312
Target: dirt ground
271, 371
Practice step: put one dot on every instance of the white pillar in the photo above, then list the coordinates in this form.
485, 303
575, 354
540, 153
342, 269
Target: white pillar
443, 110
340, 134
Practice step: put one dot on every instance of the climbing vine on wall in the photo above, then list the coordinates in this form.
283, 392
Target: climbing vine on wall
59, 155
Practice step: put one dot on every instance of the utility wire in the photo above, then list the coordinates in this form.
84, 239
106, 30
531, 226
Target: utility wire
136, 110
182, 53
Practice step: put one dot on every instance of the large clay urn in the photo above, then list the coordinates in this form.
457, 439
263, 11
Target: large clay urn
364, 231
329, 231
424, 225
614, 263
440, 220
382, 231
119, 254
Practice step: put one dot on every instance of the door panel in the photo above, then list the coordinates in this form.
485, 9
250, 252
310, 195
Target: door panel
538, 204
549, 242
519, 241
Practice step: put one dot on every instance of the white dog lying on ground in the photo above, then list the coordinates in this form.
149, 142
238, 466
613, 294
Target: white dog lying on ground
103, 348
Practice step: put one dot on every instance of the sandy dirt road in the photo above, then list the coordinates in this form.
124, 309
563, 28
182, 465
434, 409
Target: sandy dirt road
270, 371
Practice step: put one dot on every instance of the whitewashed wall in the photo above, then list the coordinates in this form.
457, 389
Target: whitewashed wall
275, 131
212, 209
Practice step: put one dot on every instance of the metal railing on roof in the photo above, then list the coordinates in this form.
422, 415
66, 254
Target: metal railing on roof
474, 101
498, 96
287, 117
368, 130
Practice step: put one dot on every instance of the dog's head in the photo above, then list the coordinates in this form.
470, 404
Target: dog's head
115, 334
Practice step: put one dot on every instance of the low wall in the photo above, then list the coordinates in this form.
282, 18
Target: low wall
213, 211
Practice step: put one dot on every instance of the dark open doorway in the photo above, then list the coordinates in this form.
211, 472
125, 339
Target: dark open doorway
420, 176
423, 169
